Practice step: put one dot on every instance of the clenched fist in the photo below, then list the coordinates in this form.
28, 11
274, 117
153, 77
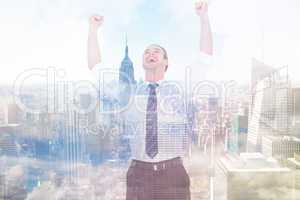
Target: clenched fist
96, 21
201, 8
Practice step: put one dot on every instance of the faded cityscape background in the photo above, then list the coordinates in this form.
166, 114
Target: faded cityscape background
56, 143
63, 139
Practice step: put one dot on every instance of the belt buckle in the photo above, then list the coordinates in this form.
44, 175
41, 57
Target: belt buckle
155, 167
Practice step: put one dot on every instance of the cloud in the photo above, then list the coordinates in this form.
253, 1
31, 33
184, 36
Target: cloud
243, 29
54, 33
12, 183
107, 181
37, 12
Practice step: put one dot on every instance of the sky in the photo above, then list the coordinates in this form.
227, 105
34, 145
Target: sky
53, 33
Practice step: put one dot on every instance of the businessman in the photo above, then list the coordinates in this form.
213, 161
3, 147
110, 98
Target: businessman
159, 143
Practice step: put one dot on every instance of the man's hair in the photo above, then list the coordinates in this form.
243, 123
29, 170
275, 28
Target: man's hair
165, 54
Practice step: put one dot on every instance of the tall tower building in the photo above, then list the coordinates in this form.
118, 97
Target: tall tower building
126, 70
127, 82
127, 85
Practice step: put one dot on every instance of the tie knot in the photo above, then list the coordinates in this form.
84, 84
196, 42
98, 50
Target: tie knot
153, 85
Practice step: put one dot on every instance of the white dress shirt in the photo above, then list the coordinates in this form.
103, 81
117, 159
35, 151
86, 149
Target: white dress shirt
173, 136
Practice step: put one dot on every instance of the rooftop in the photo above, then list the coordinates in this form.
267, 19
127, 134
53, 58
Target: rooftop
250, 162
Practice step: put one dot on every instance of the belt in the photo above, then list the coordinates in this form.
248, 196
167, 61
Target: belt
155, 166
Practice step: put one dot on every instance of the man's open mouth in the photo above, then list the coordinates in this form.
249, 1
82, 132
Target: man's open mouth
151, 60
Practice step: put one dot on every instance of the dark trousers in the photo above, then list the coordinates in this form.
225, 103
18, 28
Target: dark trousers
165, 180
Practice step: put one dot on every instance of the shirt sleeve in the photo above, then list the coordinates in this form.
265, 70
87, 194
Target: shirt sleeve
201, 68
102, 73
94, 74
105, 79
203, 58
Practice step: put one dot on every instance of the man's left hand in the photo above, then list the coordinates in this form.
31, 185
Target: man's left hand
201, 8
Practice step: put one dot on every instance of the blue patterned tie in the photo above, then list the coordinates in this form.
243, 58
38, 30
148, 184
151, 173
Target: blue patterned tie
151, 122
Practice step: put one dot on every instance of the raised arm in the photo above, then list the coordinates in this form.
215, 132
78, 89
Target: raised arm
206, 41
94, 55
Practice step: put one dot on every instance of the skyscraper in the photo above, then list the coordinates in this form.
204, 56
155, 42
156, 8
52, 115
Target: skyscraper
126, 70
127, 85
238, 136
270, 106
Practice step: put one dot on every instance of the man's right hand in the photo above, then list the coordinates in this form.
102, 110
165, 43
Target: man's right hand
96, 21
94, 55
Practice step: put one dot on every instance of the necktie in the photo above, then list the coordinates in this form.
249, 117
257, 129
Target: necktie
151, 122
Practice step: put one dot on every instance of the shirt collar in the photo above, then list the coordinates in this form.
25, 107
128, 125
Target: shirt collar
157, 82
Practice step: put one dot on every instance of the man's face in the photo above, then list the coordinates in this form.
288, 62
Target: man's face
154, 58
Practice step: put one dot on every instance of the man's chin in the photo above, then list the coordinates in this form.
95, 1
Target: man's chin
150, 67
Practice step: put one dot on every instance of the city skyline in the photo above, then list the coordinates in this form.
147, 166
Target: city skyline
225, 126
